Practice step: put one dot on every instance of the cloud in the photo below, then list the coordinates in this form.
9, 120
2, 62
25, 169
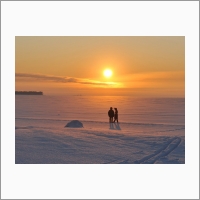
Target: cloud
58, 79
165, 76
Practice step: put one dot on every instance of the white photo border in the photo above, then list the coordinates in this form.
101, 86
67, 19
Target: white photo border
98, 18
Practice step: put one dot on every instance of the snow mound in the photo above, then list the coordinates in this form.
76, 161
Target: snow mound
74, 124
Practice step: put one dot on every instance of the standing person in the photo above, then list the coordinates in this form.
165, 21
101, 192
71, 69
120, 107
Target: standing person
116, 115
111, 115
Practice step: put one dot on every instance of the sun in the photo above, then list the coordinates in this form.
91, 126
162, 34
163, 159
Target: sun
107, 73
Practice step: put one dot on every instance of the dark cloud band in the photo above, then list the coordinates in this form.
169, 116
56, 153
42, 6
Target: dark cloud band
58, 79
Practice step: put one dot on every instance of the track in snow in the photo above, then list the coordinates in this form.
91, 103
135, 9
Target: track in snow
164, 151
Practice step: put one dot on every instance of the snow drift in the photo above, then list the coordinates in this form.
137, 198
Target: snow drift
74, 124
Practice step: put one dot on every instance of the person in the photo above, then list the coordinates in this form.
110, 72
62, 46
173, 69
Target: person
116, 115
111, 115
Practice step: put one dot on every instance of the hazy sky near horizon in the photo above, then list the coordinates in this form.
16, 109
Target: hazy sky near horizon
141, 66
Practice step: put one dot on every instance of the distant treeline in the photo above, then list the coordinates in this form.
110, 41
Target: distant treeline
28, 93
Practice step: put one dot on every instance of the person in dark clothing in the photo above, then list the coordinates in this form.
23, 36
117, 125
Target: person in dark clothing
111, 115
116, 115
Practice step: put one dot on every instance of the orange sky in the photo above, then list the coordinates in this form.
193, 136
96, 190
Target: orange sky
141, 66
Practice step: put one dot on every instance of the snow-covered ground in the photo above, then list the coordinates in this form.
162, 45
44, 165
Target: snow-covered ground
150, 131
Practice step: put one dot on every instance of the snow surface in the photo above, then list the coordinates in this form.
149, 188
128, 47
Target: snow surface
150, 131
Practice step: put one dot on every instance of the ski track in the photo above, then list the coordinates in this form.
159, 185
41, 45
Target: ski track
99, 122
164, 151
152, 158
116, 161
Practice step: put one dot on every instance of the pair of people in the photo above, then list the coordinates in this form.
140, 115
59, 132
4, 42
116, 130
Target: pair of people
112, 114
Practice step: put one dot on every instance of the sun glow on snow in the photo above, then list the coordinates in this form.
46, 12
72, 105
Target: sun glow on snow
107, 73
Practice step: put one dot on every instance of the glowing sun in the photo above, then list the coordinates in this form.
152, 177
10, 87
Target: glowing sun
107, 73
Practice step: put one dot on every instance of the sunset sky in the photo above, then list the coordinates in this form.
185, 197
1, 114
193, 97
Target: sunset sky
139, 66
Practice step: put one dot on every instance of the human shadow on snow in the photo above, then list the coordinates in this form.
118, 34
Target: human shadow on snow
115, 126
